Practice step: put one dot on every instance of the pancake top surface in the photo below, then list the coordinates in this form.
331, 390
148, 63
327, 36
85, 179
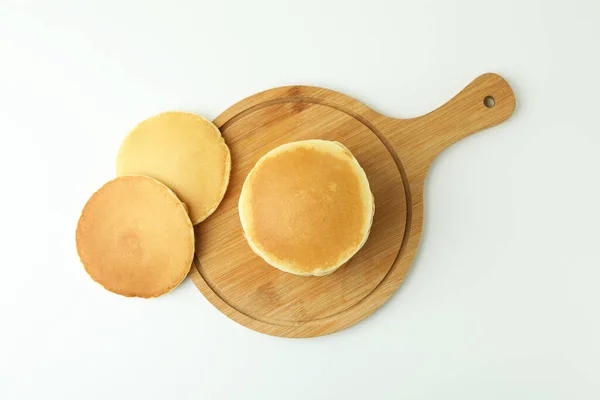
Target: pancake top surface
185, 152
306, 207
135, 238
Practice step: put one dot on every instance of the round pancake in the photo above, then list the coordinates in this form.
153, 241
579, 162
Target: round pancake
185, 152
306, 207
135, 238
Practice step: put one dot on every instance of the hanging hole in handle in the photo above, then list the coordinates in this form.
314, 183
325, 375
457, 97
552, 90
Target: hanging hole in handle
489, 102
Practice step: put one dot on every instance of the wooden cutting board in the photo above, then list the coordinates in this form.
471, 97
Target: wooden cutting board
395, 154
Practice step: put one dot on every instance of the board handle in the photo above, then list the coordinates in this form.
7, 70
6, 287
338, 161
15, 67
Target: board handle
486, 101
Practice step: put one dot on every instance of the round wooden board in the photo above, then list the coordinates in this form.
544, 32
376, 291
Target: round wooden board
241, 285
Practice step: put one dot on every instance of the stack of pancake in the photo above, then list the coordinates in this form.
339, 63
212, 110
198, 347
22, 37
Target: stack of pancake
305, 208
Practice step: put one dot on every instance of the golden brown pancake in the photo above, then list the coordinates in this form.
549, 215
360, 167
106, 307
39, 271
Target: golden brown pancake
306, 207
185, 152
135, 238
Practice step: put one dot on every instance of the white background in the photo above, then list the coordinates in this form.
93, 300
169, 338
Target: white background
503, 299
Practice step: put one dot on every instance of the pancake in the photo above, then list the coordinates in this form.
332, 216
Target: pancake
185, 152
135, 238
306, 207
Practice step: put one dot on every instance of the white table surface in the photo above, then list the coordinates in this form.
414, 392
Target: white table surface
503, 299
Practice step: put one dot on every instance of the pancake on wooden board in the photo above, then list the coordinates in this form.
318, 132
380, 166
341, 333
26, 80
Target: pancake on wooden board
306, 207
135, 238
184, 151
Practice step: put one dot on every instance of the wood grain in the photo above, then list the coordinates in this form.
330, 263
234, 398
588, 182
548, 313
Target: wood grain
395, 154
